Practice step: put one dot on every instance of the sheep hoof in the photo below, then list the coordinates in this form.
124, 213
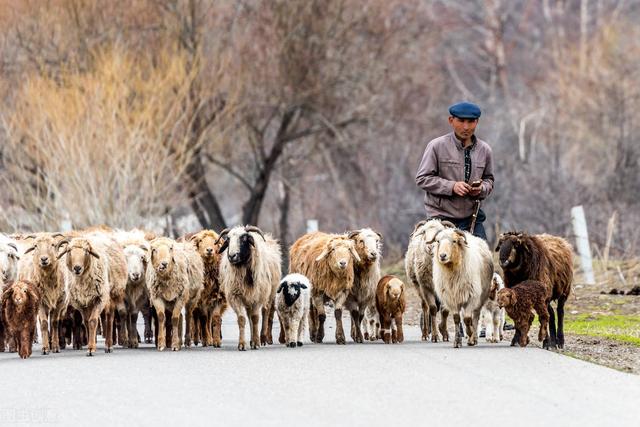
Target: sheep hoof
241, 347
89, 353
299, 343
44, 352
160, 348
175, 348
107, 350
254, 346
292, 345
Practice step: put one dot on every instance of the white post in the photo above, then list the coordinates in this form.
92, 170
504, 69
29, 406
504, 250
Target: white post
582, 243
312, 225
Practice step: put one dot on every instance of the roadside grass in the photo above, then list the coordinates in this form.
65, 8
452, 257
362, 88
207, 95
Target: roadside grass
616, 327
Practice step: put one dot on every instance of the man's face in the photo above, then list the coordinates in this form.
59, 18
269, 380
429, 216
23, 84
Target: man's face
464, 128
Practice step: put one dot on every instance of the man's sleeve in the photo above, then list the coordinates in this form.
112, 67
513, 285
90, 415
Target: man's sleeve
487, 176
427, 177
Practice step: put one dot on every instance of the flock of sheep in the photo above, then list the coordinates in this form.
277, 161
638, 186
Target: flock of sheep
75, 283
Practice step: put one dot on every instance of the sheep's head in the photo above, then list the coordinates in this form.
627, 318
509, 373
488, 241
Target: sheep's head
449, 246
507, 297
291, 287
496, 282
395, 288
162, 257
137, 256
510, 248
79, 253
239, 243
8, 261
430, 229
207, 244
338, 252
368, 243
45, 249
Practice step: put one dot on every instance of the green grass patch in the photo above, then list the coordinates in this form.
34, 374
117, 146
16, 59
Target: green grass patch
616, 327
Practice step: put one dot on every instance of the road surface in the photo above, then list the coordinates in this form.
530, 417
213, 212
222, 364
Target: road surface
357, 384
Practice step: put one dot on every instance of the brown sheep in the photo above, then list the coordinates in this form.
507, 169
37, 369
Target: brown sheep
212, 301
544, 258
390, 302
20, 303
519, 301
328, 261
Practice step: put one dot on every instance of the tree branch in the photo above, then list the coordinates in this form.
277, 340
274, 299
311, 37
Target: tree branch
230, 170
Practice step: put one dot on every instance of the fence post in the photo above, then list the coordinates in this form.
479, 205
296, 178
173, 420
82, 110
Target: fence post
582, 243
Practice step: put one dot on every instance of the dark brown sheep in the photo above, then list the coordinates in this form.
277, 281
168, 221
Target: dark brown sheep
390, 302
20, 302
544, 258
519, 301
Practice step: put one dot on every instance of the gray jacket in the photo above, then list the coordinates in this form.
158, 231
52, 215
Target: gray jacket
442, 165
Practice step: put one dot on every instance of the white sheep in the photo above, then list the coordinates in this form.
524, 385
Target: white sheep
492, 316
462, 273
9, 257
249, 275
292, 304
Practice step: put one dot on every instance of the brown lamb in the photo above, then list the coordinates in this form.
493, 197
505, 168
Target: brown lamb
520, 301
20, 302
390, 302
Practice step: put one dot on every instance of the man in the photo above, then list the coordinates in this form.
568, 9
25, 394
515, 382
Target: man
456, 171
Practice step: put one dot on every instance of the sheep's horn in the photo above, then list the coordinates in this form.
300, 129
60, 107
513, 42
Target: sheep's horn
353, 233
222, 235
435, 236
57, 235
418, 225
12, 245
29, 236
254, 229
448, 224
62, 242
61, 254
32, 248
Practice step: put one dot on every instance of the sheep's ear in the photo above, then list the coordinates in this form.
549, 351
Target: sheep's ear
379, 235
500, 241
93, 254
14, 256
354, 253
324, 253
12, 245
224, 246
281, 287
31, 249
251, 241
463, 235
303, 286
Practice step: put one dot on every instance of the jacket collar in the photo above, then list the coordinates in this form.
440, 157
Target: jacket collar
458, 143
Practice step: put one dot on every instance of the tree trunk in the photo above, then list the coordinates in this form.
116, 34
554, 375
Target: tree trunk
284, 224
203, 202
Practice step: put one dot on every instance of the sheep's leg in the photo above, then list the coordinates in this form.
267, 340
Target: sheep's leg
444, 314
24, 343
424, 321
256, 337
399, 333
560, 330
282, 337
552, 328
471, 335
161, 331
125, 331
207, 328
543, 317
176, 325
524, 332
265, 325
216, 326
458, 337
301, 326
494, 324
146, 315
43, 315
340, 339
56, 317
188, 314
242, 320
108, 327
132, 330
290, 332
91, 320
317, 317
356, 319
385, 324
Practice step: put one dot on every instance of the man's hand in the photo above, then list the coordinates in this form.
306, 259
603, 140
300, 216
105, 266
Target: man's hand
461, 188
475, 191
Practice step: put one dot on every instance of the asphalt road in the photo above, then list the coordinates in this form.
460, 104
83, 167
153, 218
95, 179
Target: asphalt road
364, 384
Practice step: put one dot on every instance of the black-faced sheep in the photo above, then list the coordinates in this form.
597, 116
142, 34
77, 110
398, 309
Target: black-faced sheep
544, 258
462, 273
390, 302
366, 276
492, 316
328, 260
40, 266
418, 264
212, 304
250, 273
97, 272
520, 301
292, 304
20, 303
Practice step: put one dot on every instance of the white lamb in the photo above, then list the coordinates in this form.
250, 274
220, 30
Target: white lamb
292, 303
492, 316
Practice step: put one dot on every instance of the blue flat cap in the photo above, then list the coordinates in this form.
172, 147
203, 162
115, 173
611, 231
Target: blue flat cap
465, 110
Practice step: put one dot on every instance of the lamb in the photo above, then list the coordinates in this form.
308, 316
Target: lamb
462, 273
20, 303
249, 275
174, 281
519, 301
366, 276
492, 316
418, 264
40, 266
292, 303
371, 324
212, 304
136, 251
544, 258
390, 302
97, 271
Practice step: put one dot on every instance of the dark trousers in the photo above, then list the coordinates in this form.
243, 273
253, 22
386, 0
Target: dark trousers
465, 224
